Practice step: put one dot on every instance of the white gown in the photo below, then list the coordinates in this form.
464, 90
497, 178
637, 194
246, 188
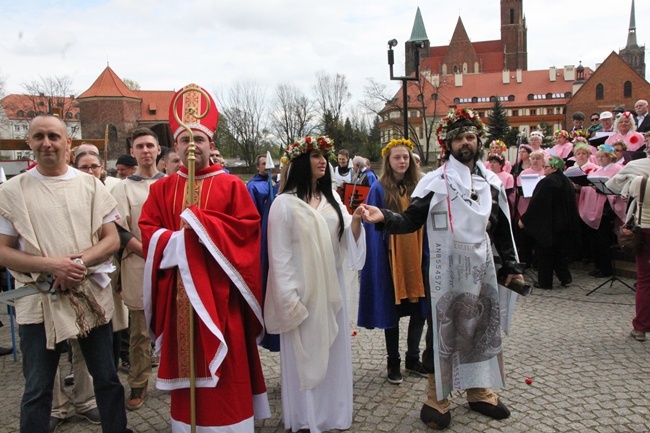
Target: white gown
298, 274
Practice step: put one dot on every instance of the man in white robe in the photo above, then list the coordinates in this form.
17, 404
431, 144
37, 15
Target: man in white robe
56, 233
130, 194
465, 208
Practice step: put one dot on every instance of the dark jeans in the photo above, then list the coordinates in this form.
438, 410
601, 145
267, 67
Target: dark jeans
39, 369
416, 326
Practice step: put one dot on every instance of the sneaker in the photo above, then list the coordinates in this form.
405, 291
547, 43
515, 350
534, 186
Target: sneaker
92, 416
415, 366
393, 368
55, 423
637, 335
136, 400
125, 366
69, 379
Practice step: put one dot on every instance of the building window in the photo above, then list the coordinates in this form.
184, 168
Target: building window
481, 114
456, 100
413, 113
444, 69
627, 89
512, 16
474, 99
434, 96
531, 96
20, 113
600, 91
515, 112
455, 69
17, 128
567, 95
533, 112
511, 98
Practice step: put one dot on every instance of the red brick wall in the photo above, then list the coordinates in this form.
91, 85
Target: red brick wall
612, 74
96, 113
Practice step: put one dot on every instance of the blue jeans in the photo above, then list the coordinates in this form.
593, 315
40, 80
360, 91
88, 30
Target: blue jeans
39, 369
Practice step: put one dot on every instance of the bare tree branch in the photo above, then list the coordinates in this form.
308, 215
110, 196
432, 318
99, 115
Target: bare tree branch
293, 114
243, 108
331, 94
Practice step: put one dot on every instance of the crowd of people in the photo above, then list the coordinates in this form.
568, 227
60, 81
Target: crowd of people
191, 273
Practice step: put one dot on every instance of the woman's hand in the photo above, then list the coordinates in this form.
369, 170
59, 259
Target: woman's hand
371, 214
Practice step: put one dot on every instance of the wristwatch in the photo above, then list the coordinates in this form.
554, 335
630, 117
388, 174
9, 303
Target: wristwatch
81, 262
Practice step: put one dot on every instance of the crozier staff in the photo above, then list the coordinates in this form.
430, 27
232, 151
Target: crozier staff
464, 205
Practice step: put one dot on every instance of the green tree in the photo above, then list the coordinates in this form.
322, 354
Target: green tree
131, 84
498, 122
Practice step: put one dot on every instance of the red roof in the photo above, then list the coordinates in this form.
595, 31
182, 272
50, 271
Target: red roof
25, 107
484, 86
155, 104
108, 84
489, 53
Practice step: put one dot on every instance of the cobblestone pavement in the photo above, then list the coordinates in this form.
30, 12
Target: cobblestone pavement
588, 374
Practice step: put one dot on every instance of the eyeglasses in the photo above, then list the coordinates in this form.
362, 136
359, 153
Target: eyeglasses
89, 167
595, 119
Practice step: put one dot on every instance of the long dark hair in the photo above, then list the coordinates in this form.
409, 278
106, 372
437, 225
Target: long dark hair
299, 179
394, 188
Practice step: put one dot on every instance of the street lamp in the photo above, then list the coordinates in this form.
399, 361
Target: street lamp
391, 60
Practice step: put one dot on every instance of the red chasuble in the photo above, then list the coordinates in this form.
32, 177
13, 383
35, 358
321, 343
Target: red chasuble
212, 264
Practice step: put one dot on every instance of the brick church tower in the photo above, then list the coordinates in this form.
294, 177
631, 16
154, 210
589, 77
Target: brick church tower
633, 54
514, 35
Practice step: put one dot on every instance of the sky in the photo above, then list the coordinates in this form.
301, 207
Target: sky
216, 43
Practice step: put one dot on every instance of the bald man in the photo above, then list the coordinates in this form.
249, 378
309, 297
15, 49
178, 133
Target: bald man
642, 118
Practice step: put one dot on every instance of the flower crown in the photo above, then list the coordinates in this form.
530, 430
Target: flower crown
307, 144
556, 162
580, 139
454, 115
397, 142
579, 133
561, 133
498, 143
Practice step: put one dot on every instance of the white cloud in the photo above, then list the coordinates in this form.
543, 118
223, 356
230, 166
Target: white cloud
215, 44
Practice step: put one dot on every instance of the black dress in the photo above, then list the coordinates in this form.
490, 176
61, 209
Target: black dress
552, 220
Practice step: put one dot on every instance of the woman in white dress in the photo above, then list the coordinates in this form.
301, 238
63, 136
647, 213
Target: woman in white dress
311, 237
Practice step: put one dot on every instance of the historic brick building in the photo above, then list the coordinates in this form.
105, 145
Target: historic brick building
613, 83
633, 54
109, 103
466, 57
475, 74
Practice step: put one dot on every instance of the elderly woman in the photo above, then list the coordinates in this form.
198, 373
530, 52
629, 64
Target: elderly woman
619, 149
498, 147
313, 238
552, 221
535, 140
582, 156
625, 130
563, 146
599, 211
392, 279
629, 182
524, 242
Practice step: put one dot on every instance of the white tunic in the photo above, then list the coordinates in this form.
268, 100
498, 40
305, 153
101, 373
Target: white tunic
305, 304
